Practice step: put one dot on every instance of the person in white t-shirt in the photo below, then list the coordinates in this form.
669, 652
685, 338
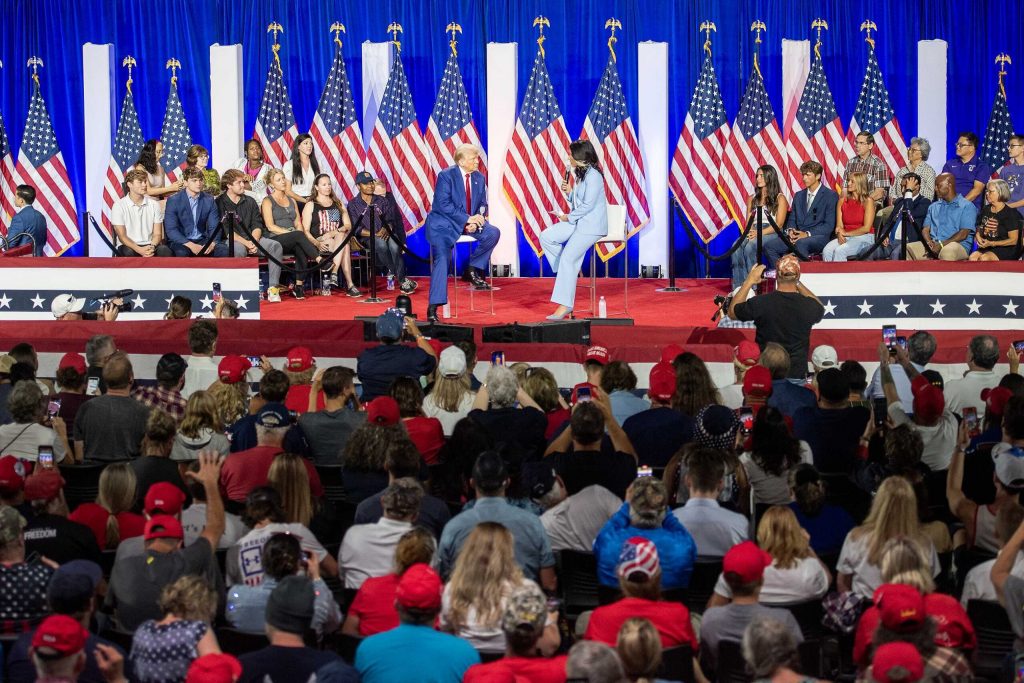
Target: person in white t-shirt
982, 356
202, 370
368, 550
193, 518
138, 220
795, 574
978, 583
450, 399
256, 168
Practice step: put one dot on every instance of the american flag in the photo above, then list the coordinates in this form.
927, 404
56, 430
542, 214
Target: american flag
535, 161
609, 126
997, 133
7, 184
451, 122
874, 114
335, 130
174, 135
127, 145
696, 163
755, 141
817, 133
41, 165
275, 125
397, 152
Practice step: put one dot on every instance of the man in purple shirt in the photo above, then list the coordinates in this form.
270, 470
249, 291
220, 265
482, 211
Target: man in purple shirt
969, 171
1013, 172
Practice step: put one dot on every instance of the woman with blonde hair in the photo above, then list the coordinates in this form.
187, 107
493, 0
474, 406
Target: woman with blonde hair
639, 648
451, 397
232, 401
855, 221
284, 224
474, 599
540, 385
117, 496
795, 574
893, 513
289, 478
201, 427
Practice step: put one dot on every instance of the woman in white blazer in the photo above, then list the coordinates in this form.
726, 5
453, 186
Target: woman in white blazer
566, 243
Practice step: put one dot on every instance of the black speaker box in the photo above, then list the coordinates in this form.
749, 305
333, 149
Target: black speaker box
562, 332
448, 334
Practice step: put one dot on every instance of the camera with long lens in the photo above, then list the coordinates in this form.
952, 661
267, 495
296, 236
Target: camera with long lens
722, 301
103, 299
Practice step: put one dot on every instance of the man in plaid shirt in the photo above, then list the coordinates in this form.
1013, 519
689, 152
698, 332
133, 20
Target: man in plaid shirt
166, 395
867, 163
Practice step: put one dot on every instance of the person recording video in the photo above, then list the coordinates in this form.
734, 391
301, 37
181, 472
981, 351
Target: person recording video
914, 202
71, 307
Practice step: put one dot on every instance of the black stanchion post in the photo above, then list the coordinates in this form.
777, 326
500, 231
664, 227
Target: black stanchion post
372, 267
671, 254
760, 245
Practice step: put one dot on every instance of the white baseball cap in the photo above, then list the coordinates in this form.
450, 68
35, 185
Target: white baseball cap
452, 362
824, 356
63, 304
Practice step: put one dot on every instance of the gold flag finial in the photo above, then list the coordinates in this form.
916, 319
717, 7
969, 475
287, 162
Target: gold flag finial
757, 27
394, 28
1002, 59
541, 21
34, 63
453, 28
708, 27
275, 28
613, 24
869, 26
129, 62
337, 28
173, 64
818, 24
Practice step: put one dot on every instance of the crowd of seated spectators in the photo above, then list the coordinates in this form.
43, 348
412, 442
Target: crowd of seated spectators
333, 524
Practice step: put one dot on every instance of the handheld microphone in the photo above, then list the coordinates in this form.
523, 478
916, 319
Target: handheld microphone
568, 172
907, 194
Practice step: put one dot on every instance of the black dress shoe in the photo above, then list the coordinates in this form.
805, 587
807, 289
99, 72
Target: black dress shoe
478, 280
469, 273
432, 313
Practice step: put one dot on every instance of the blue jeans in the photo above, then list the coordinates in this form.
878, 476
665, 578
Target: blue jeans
855, 246
743, 259
775, 248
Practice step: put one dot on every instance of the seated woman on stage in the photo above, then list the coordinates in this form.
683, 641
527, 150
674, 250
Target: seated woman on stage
767, 194
149, 161
281, 216
855, 221
302, 170
198, 156
329, 224
255, 168
566, 243
998, 226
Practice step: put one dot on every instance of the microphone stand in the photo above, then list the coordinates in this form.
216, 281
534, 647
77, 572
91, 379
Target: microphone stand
671, 288
373, 298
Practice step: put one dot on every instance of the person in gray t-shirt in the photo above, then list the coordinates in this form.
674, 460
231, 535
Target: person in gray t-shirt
110, 428
328, 430
1010, 589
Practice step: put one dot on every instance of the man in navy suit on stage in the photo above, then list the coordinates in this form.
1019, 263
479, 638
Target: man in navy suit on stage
459, 208
812, 217
28, 225
191, 217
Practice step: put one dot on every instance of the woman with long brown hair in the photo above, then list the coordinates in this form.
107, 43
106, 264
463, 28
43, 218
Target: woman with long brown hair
767, 199
329, 224
289, 478
694, 387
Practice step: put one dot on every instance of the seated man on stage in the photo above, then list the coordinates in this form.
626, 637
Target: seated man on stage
870, 165
917, 204
28, 226
248, 226
459, 208
811, 220
138, 219
949, 226
191, 219
386, 221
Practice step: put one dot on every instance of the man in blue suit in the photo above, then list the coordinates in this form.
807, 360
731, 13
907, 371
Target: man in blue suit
812, 217
191, 217
460, 198
28, 225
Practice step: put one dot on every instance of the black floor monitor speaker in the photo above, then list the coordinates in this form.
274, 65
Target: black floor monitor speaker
448, 334
562, 332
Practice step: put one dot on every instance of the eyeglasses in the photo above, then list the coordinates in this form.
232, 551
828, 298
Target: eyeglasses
1017, 144
964, 144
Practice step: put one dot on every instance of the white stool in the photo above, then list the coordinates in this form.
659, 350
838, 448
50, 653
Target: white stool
455, 275
616, 233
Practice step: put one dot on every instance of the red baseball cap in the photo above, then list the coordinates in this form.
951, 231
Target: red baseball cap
599, 354
232, 369
748, 352
662, 381
163, 497
95, 517
12, 475
746, 561
73, 360
60, 633
900, 607
437, 345
214, 668
163, 526
996, 399
43, 485
953, 627
757, 383
897, 662
669, 353
299, 358
383, 411
929, 403
419, 588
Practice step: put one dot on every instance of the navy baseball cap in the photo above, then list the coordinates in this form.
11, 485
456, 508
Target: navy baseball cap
389, 325
363, 177
273, 415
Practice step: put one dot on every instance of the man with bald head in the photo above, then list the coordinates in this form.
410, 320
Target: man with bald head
949, 226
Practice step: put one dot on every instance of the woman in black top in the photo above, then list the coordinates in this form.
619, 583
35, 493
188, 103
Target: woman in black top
329, 224
998, 226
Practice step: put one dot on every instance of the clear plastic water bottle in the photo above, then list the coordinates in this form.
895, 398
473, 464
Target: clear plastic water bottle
446, 311
391, 282
602, 308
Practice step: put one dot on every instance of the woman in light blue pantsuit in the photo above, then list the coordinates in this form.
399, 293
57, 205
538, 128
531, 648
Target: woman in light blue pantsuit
566, 243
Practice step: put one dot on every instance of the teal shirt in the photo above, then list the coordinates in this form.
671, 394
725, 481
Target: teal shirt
414, 653
945, 219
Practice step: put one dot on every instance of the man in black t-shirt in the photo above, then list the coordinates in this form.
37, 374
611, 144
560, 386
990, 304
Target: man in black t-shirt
785, 316
50, 533
833, 428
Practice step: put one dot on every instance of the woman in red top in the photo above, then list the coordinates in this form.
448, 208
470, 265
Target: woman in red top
373, 609
540, 385
855, 221
117, 497
426, 432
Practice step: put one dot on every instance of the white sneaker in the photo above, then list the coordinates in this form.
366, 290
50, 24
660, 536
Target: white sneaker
273, 295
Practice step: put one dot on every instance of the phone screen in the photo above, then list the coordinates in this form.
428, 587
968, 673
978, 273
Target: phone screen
970, 414
1019, 346
498, 358
53, 407
583, 394
45, 457
901, 342
254, 361
644, 471
747, 418
216, 291
889, 336
93, 386
881, 409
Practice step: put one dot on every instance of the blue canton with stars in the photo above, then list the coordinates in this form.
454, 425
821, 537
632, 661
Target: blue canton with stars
924, 306
608, 110
873, 107
540, 108
128, 139
276, 115
39, 143
174, 134
397, 111
706, 108
451, 110
997, 134
336, 108
756, 111
817, 108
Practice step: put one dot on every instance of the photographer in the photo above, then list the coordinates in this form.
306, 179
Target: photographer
69, 307
379, 366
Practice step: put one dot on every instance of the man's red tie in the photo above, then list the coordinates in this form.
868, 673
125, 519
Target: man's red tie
469, 196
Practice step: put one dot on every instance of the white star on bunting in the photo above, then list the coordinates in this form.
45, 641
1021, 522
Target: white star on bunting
865, 308
242, 302
206, 301
938, 308
974, 307
5, 301
138, 302
1011, 308
830, 308
901, 307
37, 302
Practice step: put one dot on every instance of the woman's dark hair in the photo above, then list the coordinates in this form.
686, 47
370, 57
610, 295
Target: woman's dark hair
856, 375
582, 150
333, 197
282, 554
808, 489
772, 189
263, 502
21, 372
774, 448
249, 143
147, 156
457, 457
297, 160
70, 378
694, 386
366, 448
617, 376
408, 394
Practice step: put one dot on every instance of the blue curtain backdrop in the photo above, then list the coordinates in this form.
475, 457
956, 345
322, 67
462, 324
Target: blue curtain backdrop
576, 52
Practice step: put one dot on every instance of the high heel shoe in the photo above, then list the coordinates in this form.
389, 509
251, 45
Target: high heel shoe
555, 317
